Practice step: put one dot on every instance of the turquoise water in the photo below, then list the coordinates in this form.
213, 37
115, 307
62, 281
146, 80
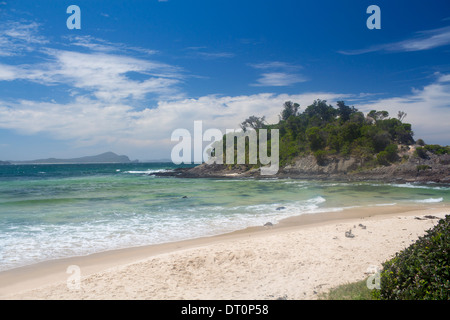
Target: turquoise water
55, 211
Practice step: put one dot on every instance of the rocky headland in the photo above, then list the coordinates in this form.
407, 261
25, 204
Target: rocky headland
434, 169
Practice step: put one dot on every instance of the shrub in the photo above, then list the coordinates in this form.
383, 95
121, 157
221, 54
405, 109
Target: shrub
321, 157
382, 158
315, 138
420, 142
391, 150
421, 153
423, 167
437, 149
421, 271
346, 149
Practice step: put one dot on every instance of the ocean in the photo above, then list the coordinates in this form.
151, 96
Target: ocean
57, 211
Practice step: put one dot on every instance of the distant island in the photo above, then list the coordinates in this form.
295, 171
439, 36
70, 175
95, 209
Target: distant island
107, 157
326, 142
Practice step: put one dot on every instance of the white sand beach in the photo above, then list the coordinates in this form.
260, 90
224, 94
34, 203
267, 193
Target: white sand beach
299, 258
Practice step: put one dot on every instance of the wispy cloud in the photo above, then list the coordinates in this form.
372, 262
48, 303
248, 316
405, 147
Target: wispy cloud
105, 71
278, 79
203, 52
215, 55
277, 74
428, 109
101, 45
275, 65
422, 40
17, 38
103, 75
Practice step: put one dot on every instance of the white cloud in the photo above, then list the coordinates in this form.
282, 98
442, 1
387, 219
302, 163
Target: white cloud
108, 71
104, 85
105, 75
216, 55
427, 40
101, 45
278, 79
201, 52
8, 73
19, 37
274, 65
88, 122
428, 110
277, 74
423, 40
443, 77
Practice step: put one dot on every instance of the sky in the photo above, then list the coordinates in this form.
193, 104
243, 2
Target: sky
137, 70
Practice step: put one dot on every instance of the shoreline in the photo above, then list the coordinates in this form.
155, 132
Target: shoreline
337, 169
45, 279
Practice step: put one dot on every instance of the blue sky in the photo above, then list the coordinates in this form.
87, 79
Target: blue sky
137, 70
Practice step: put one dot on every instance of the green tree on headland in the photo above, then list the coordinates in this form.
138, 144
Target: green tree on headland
289, 109
342, 131
324, 130
253, 122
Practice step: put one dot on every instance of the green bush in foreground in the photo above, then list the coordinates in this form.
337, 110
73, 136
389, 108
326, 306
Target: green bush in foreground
350, 291
421, 271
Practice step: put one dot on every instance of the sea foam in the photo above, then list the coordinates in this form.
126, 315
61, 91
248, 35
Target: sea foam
430, 200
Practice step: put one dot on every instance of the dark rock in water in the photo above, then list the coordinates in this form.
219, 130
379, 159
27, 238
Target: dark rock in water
281, 208
184, 197
268, 224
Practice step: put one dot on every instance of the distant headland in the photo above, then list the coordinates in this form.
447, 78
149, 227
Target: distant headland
107, 157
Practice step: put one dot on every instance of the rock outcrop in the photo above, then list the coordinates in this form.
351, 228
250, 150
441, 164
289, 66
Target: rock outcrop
414, 169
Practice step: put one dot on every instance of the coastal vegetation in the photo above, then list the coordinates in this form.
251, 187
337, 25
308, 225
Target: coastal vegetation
325, 131
349, 291
323, 141
421, 271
